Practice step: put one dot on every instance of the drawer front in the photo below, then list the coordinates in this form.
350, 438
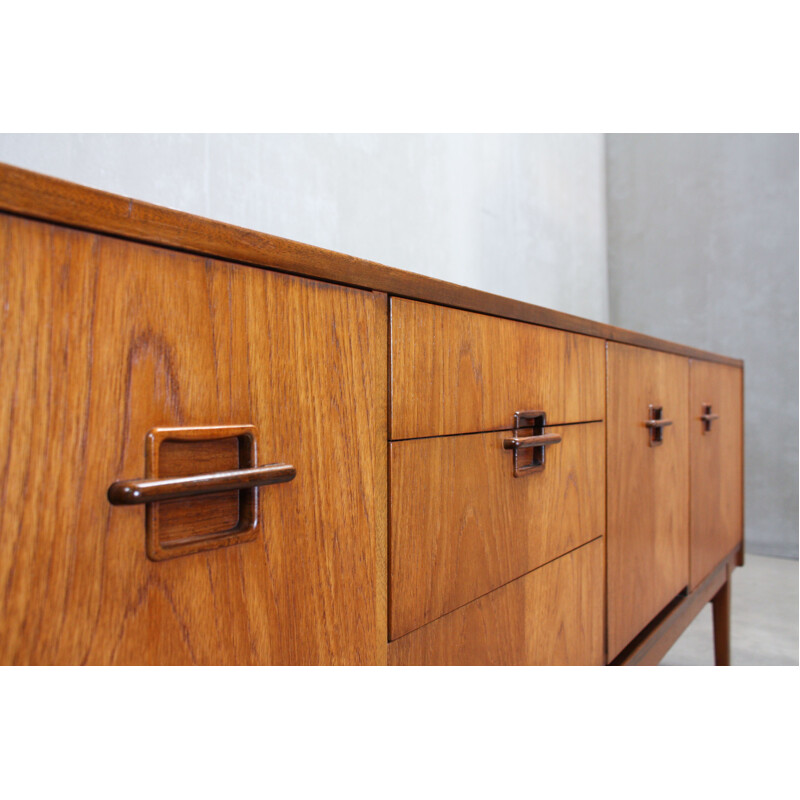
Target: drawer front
462, 524
459, 372
648, 487
553, 616
108, 340
715, 444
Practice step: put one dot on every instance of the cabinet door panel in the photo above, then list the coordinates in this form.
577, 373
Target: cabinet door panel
716, 464
106, 339
648, 489
552, 616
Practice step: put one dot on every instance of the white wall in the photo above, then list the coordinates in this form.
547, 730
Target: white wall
516, 215
703, 250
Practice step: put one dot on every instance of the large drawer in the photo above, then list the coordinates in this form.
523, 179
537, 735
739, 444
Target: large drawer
553, 616
456, 371
463, 525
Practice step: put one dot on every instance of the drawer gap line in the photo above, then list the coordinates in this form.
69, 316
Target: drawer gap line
493, 430
496, 588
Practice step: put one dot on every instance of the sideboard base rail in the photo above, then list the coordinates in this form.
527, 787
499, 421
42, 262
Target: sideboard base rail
653, 643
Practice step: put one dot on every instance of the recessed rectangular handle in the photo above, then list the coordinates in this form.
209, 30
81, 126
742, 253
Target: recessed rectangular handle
153, 490
536, 443
656, 423
707, 417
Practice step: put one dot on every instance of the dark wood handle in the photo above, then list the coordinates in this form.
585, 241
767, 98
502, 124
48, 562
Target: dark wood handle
153, 490
707, 417
658, 423
542, 440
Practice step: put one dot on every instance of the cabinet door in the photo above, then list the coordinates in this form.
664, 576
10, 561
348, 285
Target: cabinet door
715, 419
105, 340
648, 487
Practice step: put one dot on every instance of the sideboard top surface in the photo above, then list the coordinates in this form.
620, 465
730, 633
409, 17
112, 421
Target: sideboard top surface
42, 197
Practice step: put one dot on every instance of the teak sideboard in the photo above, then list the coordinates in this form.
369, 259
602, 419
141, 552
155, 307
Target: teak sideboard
223, 447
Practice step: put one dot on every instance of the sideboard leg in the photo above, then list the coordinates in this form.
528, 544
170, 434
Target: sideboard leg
721, 603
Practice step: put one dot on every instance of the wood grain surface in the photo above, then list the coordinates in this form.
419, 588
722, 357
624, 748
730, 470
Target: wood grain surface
459, 372
716, 465
655, 641
721, 607
553, 616
648, 489
462, 524
42, 197
103, 340
193, 518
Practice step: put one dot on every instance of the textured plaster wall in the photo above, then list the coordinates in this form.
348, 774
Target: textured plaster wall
703, 250
516, 215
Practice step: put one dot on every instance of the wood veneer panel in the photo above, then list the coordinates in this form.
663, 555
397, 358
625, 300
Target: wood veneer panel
458, 372
716, 465
648, 489
553, 616
195, 516
650, 647
103, 340
462, 524
43, 197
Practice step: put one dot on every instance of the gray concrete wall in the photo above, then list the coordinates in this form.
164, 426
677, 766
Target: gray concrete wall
703, 250
517, 215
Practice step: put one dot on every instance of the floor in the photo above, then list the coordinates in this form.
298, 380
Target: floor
764, 619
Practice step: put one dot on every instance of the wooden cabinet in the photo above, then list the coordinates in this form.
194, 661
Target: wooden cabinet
107, 340
648, 487
221, 447
715, 445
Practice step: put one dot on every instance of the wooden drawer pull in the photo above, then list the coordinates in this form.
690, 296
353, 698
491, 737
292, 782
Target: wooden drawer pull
542, 440
707, 417
153, 490
656, 424
537, 442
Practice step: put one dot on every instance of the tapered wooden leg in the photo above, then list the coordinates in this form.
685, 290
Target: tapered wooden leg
721, 603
